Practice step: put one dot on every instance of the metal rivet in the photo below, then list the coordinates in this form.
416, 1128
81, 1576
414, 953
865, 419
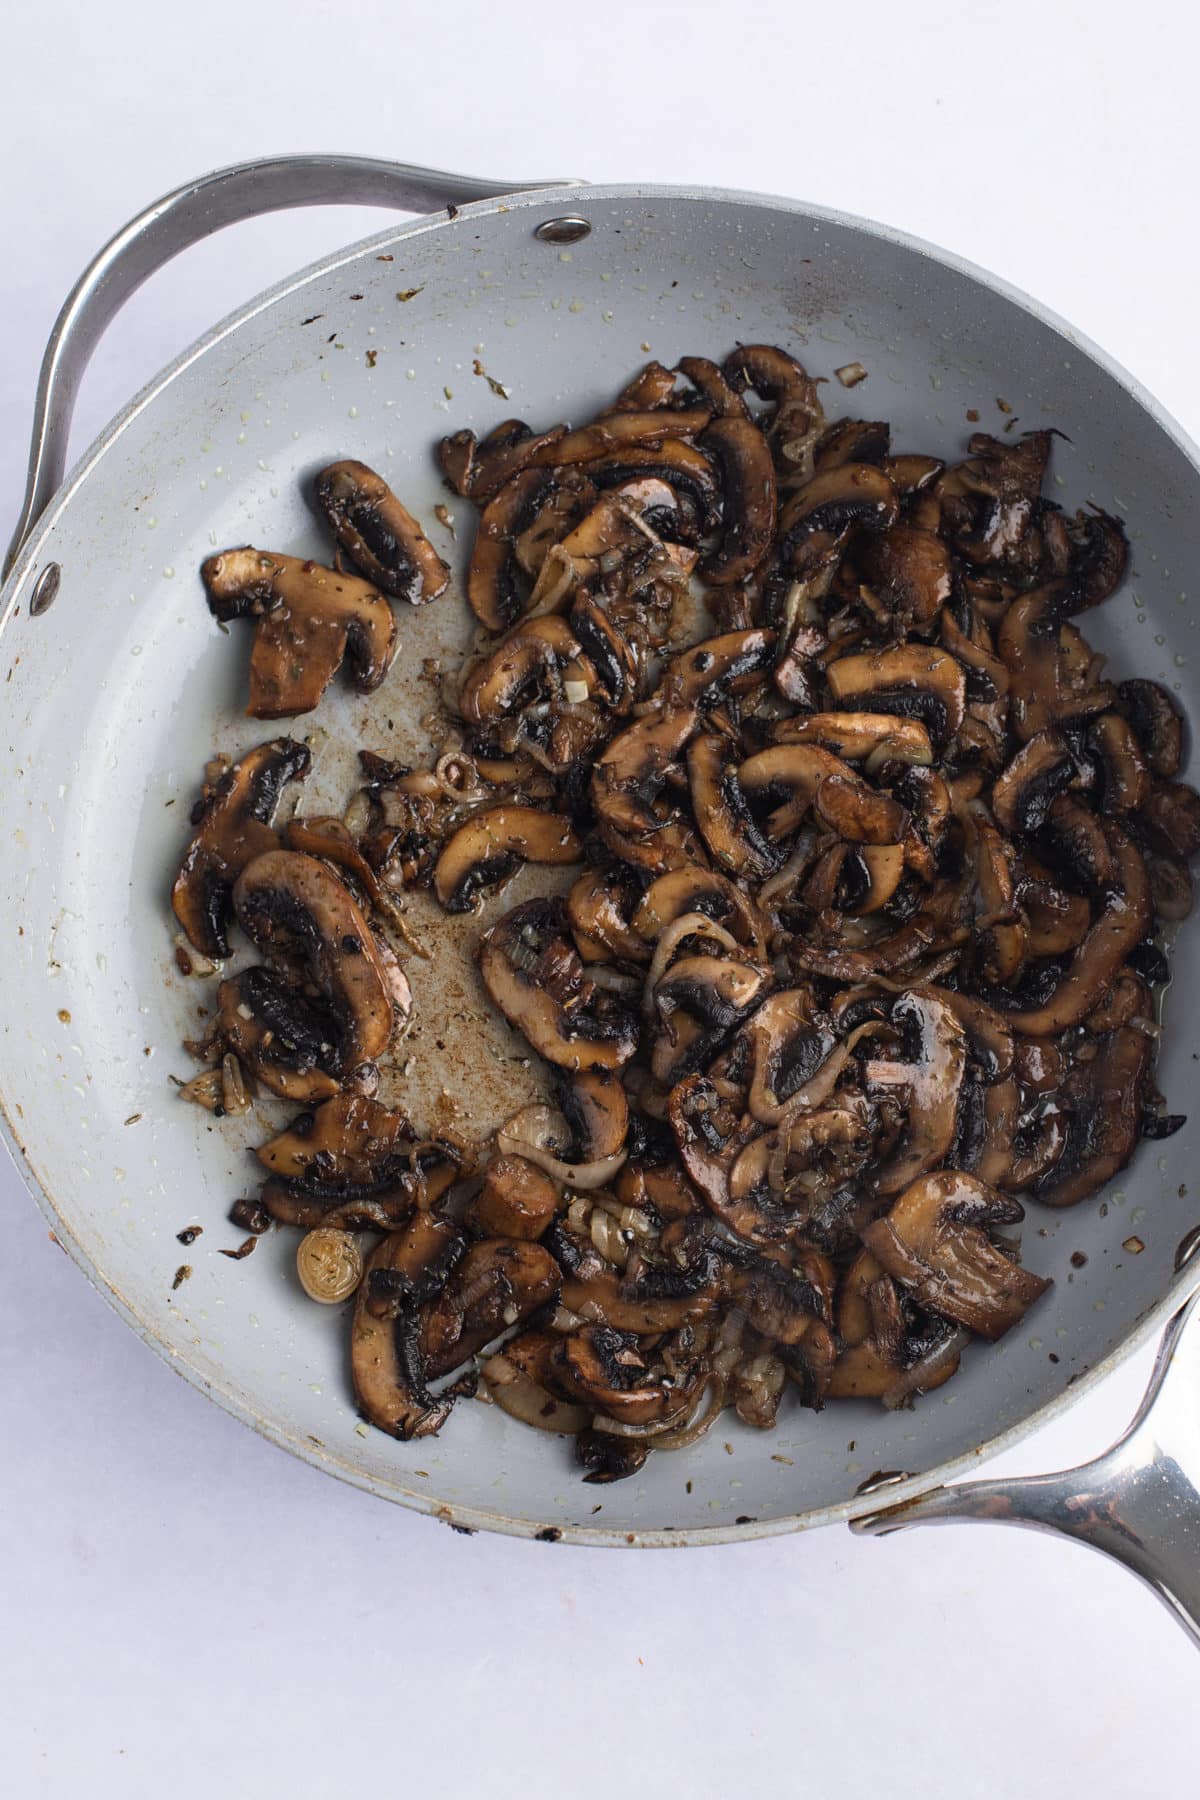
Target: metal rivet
567, 230
45, 588
884, 1479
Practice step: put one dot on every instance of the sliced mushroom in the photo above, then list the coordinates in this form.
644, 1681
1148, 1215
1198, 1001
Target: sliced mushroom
1120, 925
520, 1379
651, 387
498, 1283
598, 907
277, 1032
307, 620
350, 1139
912, 680
859, 813
1171, 820
379, 534
482, 469
1156, 725
1005, 479
796, 770
629, 779
1124, 771
778, 378
530, 660
1000, 932
329, 839
788, 1046
1099, 558
748, 479
719, 806
390, 1381
710, 382
1105, 1121
352, 1164
700, 1001
910, 572
233, 825
1042, 768
612, 659
853, 494
596, 1108
493, 593
1073, 838
853, 440
1044, 692
695, 889
935, 1243
297, 912
533, 974
910, 474
1171, 888
492, 845
681, 465
605, 1368
882, 1357
870, 738
706, 675
927, 1082
1055, 921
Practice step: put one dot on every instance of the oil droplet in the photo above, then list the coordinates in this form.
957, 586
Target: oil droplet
241, 437
353, 412
1180, 662
151, 523
566, 256
324, 374
1159, 638
576, 306
245, 418
410, 374
169, 571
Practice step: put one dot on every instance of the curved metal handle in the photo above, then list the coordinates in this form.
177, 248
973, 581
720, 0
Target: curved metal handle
1139, 1503
185, 217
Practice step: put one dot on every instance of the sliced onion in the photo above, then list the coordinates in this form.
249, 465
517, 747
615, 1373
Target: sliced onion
529, 1133
693, 924
922, 1372
525, 1399
665, 1434
792, 870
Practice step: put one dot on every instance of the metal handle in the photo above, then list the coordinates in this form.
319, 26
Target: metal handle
185, 217
1139, 1503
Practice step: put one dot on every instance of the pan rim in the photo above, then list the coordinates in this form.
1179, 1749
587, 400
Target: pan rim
319, 1457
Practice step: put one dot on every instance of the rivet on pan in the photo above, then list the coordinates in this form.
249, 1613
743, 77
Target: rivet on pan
45, 588
884, 1478
1188, 1247
567, 230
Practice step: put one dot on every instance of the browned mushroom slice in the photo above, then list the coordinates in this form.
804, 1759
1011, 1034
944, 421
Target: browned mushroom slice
1099, 558
278, 1033
856, 494
778, 378
552, 515
308, 619
297, 912
595, 1105
1004, 479
1042, 768
1045, 690
517, 1199
481, 469
789, 1045
1121, 924
347, 1139
1124, 772
1156, 724
328, 838
1000, 932
710, 382
869, 738
910, 571
709, 1144
1073, 839
658, 1298
1171, 887
681, 465
691, 890
385, 1358
492, 845
883, 1357
699, 1001
710, 671
927, 1083
493, 593
935, 1243
498, 1283
618, 432
859, 813
610, 657
794, 770
1128, 998
605, 1369
910, 474
1055, 921
528, 662
1105, 1123
352, 1163
598, 907
521, 1380
748, 478
632, 772
1171, 819
912, 680
379, 534
651, 387
719, 806
233, 825
852, 440
533, 974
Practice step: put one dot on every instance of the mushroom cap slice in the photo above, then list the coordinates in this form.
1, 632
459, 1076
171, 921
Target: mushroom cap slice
748, 479
521, 1380
929, 1081
707, 673
598, 906
913, 680
348, 1139
498, 1283
776, 376
1041, 769
1170, 819
872, 738
719, 806
278, 1033
233, 825
308, 619
604, 1368
1105, 1124
385, 1359
1156, 724
934, 1242
294, 908
533, 974
493, 593
379, 534
492, 844
1121, 924
630, 775
696, 889
910, 570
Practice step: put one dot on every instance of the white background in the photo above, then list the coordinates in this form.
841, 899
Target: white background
185, 1611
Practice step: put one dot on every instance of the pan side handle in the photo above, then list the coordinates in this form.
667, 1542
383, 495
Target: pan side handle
1139, 1503
185, 217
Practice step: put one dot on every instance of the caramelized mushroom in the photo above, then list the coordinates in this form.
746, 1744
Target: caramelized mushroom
912, 680
379, 534
935, 1243
928, 1082
233, 825
497, 1284
307, 620
390, 1378
1156, 725
534, 976
1104, 1119
748, 477
492, 845
726, 825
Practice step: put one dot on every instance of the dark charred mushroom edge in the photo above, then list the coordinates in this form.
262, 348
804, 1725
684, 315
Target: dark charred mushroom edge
862, 944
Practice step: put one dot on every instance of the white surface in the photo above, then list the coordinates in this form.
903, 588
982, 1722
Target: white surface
182, 1609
